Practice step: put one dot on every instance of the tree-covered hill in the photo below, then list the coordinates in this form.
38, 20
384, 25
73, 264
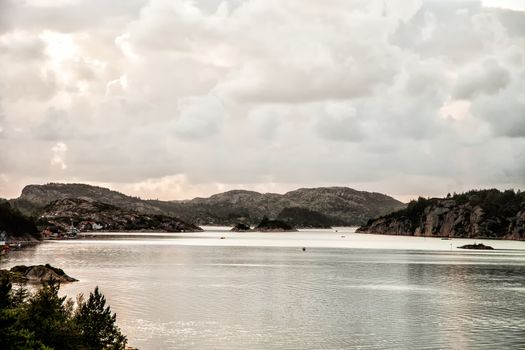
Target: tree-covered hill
15, 224
475, 214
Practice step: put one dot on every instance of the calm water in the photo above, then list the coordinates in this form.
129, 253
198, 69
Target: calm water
261, 291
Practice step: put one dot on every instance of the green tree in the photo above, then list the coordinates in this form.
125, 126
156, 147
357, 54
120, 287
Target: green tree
49, 318
12, 336
97, 324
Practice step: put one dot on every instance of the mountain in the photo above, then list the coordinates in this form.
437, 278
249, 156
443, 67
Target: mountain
341, 205
474, 214
35, 197
92, 215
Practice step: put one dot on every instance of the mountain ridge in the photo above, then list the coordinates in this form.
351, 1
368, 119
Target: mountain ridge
342, 205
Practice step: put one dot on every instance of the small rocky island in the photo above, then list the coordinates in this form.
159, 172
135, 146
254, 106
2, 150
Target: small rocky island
268, 225
479, 246
36, 274
240, 227
306, 218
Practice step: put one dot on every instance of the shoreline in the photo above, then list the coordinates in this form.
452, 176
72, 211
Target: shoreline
442, 237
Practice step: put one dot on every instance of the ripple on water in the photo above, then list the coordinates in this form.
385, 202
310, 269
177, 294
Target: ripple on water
171, 296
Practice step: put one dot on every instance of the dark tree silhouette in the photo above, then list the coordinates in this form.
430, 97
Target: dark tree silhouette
97, 324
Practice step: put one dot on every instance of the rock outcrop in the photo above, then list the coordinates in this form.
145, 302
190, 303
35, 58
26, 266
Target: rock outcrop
475, 214
87, 215
36, 274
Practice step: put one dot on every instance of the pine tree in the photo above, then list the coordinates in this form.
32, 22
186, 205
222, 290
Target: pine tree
47, 318
97, 324
12, 335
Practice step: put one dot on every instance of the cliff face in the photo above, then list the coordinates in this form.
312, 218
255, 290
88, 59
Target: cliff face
91, 215
476, 214
341, 205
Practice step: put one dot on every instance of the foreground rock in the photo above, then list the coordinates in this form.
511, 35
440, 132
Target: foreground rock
36, 274
475, 214
480, 246
92, 216
267, 225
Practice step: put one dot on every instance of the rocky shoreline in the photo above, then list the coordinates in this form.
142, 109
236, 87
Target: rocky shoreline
486, 214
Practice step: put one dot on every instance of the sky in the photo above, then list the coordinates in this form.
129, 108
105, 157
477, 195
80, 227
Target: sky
177, 99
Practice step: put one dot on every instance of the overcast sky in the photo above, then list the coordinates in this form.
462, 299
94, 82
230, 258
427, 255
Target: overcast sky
174, 99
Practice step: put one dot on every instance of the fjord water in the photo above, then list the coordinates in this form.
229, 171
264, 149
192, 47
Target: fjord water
262, 291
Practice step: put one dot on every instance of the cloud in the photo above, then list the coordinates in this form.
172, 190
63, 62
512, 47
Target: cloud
338, 121
487, 78
504, 111
58, 158
403, 97
199, 117
54, 126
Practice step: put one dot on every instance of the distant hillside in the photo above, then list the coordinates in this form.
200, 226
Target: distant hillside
341, 205
475, 214
35, 197
15, 224
305, 218
91, 215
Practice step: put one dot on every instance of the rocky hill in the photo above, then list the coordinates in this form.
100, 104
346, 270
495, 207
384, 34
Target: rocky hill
475, 214
341, 205
92, 215
35, 197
